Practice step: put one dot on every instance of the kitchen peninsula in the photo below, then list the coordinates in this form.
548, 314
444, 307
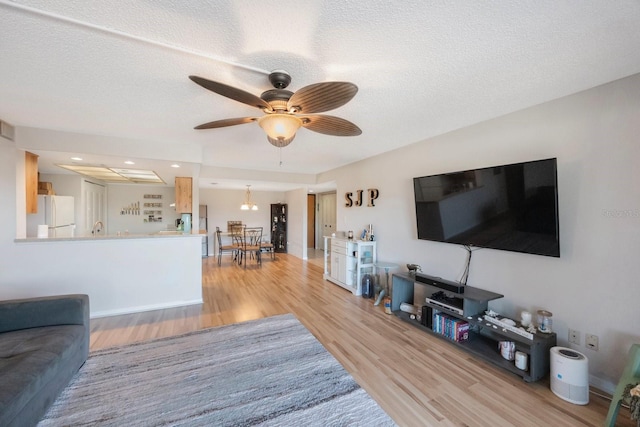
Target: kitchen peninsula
120, 273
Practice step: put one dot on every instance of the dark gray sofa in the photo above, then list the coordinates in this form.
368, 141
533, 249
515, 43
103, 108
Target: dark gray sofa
43, 343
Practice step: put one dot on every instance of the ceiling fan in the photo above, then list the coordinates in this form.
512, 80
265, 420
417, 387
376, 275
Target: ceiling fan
286, 111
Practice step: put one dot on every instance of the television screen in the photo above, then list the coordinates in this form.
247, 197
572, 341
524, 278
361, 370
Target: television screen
509, 207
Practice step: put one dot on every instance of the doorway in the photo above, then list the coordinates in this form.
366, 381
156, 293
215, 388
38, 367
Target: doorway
326, 217
95, 208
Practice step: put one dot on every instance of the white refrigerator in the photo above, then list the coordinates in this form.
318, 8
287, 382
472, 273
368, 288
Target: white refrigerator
57, 212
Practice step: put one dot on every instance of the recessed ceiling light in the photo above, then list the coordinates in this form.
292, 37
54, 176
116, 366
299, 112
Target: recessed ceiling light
175, 165
129, 162
76, 158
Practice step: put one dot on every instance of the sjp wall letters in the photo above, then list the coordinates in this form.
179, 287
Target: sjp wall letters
372, 195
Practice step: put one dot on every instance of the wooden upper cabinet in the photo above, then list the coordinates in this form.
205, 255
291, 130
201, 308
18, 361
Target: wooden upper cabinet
31, 180
183, 194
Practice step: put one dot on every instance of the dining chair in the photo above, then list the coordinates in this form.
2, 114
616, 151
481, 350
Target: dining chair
250, 245
232, 248
268, 247
237, 237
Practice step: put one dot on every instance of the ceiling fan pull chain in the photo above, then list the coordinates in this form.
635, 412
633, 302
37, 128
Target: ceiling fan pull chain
280, 154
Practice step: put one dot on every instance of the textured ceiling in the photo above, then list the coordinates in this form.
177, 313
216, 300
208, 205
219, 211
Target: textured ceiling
118, 70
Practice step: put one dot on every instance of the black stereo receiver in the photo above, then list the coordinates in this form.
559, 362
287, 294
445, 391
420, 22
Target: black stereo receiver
438, 282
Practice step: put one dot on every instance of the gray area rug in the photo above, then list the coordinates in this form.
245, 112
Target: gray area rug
268, 372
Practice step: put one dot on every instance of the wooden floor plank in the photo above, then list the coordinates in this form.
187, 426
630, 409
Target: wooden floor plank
418, 379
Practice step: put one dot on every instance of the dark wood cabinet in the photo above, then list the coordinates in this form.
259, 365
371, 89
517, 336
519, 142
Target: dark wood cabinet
484, 335
279, 227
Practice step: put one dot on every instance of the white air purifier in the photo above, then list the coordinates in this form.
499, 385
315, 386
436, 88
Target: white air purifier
570, 375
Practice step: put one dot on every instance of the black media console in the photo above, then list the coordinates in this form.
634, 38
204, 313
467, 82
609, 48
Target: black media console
433, 296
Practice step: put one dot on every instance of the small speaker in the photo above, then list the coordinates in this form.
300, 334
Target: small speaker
427, 316
438, 282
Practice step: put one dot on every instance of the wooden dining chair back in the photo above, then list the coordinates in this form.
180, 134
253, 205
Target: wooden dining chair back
236, 231
237, 235
250, 246
228, 248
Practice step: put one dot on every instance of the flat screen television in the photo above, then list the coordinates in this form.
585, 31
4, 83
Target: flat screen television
510, 207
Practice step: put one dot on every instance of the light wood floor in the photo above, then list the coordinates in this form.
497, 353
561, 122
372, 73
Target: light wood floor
418, 379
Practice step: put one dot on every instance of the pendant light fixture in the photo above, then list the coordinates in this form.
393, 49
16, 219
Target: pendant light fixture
248, 204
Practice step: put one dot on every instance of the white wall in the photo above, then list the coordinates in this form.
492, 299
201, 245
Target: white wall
12, 175
122, 196
119, 275
224, 205
17, 169
593, 286
297, 222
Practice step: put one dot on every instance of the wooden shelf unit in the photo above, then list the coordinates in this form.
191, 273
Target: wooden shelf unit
279, 227
483, 336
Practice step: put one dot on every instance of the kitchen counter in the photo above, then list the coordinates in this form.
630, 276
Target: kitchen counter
122, 236
121, 274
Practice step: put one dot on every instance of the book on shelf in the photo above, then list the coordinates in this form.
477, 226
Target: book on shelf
451, 327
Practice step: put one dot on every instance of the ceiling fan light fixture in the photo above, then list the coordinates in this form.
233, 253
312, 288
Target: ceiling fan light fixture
280, 128
281, 107
280, 143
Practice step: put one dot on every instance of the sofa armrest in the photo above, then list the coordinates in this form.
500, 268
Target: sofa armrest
44, 311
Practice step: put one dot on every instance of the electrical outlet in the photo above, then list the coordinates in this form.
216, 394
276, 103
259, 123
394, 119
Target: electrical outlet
574, 336
591, 341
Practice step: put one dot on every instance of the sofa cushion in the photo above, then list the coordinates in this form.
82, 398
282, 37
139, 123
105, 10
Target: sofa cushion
44, 311
31, 358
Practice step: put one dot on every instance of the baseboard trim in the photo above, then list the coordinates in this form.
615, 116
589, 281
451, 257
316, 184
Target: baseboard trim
142, 308
604, 385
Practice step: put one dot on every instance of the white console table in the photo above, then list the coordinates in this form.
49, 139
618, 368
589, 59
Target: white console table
347, 260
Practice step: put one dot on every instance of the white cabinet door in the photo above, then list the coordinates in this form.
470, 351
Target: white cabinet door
335, 265
339, 267
327, 214
95, 207
342, 268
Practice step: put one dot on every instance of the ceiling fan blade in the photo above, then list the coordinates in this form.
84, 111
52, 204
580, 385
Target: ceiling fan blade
231, 92
330, 125
320, 97
226, 122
